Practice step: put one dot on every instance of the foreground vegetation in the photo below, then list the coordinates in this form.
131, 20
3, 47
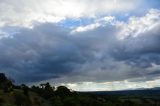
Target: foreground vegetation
46, 95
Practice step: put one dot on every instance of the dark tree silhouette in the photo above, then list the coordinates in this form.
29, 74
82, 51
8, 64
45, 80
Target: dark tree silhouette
25, 89
2, 77
5, 83
45, 90
63, 91
48, 91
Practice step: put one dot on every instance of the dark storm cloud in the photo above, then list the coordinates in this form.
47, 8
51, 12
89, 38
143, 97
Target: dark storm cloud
38, 54
129, 58
142, 50
48, 52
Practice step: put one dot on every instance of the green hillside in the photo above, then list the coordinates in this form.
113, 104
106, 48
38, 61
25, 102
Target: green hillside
46, 95
17, 98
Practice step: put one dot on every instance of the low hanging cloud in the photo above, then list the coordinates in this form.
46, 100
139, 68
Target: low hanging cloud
52, 52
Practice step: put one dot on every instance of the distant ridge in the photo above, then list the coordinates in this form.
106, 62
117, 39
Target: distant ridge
145, 91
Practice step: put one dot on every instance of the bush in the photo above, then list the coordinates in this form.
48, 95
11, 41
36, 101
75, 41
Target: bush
20, 99
1, 101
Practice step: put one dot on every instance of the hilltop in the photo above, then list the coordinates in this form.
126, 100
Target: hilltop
47, 95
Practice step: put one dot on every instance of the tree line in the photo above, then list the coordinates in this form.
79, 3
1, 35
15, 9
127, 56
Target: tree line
47, 95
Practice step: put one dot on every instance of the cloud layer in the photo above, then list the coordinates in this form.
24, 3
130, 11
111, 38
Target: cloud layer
36, 45
25, 13
50, 51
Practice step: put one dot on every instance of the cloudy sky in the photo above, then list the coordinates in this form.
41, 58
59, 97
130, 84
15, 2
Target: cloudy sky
82, 44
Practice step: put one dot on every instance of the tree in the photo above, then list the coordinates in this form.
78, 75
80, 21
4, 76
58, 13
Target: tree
25, 89
5, 83
63, 91
2, 77
48, 91
45, 90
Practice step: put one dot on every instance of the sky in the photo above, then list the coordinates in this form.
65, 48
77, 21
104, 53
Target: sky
86, 45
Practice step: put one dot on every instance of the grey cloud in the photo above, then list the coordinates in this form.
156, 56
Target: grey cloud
49, 52
41, 53
142, 49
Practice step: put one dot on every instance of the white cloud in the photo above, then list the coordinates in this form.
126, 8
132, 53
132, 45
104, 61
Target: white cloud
25, 12
136, 26
86, 28
97, 23
3, 34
